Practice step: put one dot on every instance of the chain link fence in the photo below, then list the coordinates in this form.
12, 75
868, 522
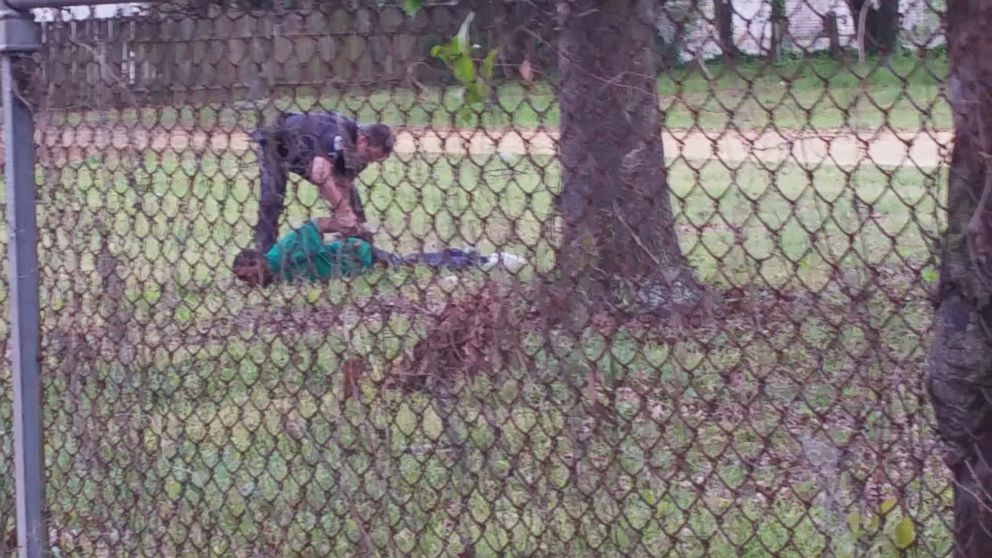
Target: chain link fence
429, 406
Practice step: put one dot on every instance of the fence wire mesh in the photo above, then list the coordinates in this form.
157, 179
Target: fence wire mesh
430, 407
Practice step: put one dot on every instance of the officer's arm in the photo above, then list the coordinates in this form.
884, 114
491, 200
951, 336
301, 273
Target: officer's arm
335, 189
329, 225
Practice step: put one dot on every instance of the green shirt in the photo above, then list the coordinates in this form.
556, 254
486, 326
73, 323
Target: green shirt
303, 252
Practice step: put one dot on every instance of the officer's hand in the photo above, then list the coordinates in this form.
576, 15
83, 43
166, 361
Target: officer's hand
362, 231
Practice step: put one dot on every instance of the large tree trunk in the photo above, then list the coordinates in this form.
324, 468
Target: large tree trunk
959, 375
881, 32
619, 249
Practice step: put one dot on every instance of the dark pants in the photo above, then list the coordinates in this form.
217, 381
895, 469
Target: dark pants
449, 258
272, 199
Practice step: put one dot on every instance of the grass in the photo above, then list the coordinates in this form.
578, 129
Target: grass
813, 92
186, 414
190, 212
189, 415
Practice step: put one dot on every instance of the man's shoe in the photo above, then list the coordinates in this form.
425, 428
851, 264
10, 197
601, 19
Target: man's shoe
511, 262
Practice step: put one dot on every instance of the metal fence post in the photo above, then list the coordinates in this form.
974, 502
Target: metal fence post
18, 35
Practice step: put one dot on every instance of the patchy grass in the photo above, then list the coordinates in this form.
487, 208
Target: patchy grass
179, 219
762, 431
188, 414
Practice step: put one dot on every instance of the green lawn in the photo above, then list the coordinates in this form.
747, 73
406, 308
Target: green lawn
190, 415
786, 224
815, 92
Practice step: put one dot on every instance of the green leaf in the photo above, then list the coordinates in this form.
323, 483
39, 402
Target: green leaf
471, 95
483, 88
873, 524
905, 533
464, 70
930, 275
487, 64
887, 506
412, 6
461, 40
447, 52
476, 92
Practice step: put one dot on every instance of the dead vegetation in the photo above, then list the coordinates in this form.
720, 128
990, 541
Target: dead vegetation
480, 332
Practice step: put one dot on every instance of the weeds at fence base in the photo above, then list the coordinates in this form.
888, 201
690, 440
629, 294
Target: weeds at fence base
475, 334
483, 333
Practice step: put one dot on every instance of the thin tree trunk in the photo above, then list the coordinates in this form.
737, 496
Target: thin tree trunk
619, 249
724, 15
779, 25
832, 31
879, 27
959, 374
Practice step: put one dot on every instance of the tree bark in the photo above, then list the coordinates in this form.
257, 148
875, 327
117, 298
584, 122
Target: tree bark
723, 12
959, 371
832, 31
779, 25
619, 249
881, 32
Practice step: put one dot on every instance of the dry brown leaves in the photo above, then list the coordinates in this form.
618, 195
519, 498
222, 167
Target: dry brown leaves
476, 334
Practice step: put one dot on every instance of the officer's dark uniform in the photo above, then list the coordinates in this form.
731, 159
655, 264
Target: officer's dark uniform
290, 145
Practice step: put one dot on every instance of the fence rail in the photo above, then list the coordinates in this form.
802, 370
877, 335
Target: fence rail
173, 57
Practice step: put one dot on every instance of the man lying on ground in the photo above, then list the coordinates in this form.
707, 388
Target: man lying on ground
303, 253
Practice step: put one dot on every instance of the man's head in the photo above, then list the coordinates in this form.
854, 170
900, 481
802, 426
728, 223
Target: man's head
375, 142
251, 267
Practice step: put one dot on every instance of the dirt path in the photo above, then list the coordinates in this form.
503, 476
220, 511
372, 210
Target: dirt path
925, 149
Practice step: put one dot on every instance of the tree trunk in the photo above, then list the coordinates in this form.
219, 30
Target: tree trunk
959, 371
779, 25
832, 31
881, 33
723, 12
619, 249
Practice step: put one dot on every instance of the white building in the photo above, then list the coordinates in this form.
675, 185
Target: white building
102, 11
752, 30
